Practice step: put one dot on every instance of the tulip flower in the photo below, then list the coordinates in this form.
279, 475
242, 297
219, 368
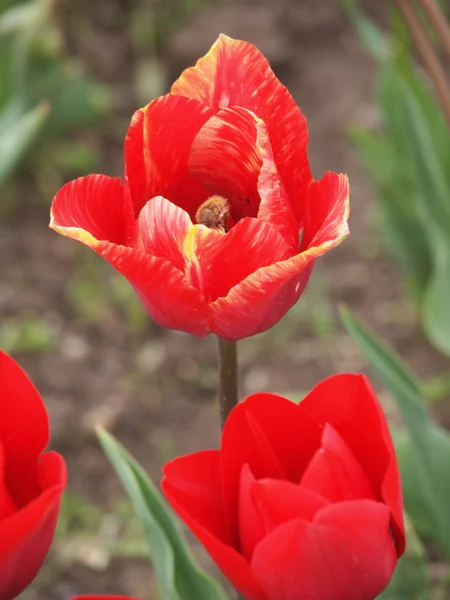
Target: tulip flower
301, 502
218, 220
31, 480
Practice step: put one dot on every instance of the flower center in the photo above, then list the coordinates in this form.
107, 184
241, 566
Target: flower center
214, 213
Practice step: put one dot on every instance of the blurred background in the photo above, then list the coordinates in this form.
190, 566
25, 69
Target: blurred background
71, 75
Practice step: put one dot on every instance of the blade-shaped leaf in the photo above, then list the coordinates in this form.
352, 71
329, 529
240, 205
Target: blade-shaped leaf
436, 305
428, 167
17, 135
410, 579
430, 443
179, 576
415, 503
370, 35
401, 228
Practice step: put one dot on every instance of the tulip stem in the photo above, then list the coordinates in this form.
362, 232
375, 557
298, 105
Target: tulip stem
228, 377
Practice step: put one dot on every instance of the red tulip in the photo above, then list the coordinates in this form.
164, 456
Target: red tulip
218, 221
31, 480
302, 502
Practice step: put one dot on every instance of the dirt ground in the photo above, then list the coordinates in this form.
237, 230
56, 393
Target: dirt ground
156, 389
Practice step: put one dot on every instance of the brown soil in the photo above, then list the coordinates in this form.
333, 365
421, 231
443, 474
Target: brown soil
156, 389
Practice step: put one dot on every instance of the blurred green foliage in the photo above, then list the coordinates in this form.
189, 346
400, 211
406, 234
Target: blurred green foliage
179, 576
94, 289
27, 333
423, 452
408, 163
42, 93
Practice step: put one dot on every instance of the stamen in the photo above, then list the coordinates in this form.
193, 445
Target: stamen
214, 213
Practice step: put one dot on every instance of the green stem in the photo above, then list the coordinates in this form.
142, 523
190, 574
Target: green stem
228, 377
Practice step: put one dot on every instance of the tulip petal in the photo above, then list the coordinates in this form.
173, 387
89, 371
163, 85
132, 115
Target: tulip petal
251, 526
346, 552
275, 207
157, 148
335, 473
26, 536
270, 434
280, 501
224, 156
94, 205
232, 155
24, 430
194, 480
235, 73
326, 211
349, 405
162, 229
7, 505
258, 302
163, 290
218, 262
192, 486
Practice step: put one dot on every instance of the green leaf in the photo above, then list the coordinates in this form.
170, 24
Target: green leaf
17, 135
415, 502
428, 167
179, 577
430, 443
410, 579
370, 35
401, 228
436, 306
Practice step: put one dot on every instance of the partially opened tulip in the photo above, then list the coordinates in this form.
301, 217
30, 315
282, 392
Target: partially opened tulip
218, 221
301, 502
31, 480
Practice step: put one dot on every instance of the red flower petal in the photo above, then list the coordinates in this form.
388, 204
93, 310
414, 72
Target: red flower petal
157, 147
326, 211
192, 486
262, 299
275, 207
93, 204
224, 156
235, 73
161, 287
194, 480
347, 552
24, 430
280, 501
270, 434
258, 302
7, 505
217, 262
26, 536
347, 402
232, 155
251, 526
161, 231
334, 472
